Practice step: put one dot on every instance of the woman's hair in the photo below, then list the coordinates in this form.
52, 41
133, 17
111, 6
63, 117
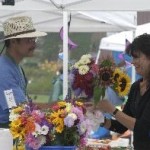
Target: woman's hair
140, 44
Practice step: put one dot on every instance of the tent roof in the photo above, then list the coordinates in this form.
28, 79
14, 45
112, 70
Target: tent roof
84, 5
49, 18
116, 41
108, 5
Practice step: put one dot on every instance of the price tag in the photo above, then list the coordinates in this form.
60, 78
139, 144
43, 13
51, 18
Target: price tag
10, 98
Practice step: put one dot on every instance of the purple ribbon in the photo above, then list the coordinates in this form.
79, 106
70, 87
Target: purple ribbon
71, 44
121, 57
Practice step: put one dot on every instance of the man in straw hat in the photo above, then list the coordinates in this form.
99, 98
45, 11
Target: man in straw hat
20, 42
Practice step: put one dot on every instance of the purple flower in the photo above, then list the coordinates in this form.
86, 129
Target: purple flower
78, 111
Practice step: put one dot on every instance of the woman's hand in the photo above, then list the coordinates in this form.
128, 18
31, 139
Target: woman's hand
105, 106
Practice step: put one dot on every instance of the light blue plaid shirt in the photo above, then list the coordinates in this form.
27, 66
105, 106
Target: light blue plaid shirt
10, 78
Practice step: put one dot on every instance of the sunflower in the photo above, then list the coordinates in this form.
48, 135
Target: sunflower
105, 76
116, 74
123, 85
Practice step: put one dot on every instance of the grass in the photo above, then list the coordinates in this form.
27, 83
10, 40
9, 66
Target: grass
39, 98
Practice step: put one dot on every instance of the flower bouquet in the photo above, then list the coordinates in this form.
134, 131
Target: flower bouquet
93, 79
70, 124
63, 124
82, 76
110, 76
29, 126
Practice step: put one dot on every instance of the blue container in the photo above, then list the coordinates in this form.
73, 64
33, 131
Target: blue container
51, 148
69, 148
54, 148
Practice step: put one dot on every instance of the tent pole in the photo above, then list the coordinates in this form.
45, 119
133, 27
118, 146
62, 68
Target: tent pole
133, 68
98, 55
65, 54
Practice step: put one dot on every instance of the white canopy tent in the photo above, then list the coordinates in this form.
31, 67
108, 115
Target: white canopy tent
82, 5
116, 42
50, 16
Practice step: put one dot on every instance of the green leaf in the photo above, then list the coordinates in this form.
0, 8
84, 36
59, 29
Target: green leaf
99, 93
103, 92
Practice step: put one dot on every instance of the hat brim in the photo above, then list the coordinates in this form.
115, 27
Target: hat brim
26, 35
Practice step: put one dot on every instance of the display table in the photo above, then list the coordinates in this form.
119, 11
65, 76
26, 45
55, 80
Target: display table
6, 140
6, 143
95, 144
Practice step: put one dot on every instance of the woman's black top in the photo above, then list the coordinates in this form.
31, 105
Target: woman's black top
137, 106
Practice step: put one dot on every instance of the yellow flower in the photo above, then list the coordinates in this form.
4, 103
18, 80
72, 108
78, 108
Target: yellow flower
123, 86
78, 103
59, 128
17, 129
68, 107
62, 104
116, 75
18, 109
16, 123
57, 119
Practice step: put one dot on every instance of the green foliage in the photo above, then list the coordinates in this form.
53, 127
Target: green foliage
39, 80
107, 63
68, 137
99, 94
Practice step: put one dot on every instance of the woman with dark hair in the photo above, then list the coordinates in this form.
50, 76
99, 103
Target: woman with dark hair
136, 113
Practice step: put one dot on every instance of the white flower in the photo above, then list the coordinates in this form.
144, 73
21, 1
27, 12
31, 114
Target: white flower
82, 127
69, 119
83, 69
84, 61
13, 116
44, 129
77, 65
37, 130
40, 130
72, 115
87, 56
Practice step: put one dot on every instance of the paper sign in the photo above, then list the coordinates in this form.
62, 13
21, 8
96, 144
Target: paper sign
10, 98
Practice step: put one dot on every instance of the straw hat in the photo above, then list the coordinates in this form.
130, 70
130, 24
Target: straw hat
20, 27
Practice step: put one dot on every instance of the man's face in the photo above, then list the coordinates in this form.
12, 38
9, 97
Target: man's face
25, 47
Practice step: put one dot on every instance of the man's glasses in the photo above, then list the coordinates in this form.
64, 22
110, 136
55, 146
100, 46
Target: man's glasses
31, 40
